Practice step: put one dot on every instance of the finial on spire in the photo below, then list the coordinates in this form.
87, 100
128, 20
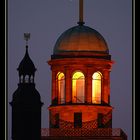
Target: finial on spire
81, 22
26, 37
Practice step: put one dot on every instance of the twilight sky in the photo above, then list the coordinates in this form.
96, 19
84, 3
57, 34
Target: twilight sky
46, 20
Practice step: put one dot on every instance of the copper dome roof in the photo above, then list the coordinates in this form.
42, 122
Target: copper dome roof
80, 39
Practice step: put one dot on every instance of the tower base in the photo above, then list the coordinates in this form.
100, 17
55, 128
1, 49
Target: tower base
83, 134
82, 138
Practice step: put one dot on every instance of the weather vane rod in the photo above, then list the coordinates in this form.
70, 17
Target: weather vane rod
26, 37
81, 22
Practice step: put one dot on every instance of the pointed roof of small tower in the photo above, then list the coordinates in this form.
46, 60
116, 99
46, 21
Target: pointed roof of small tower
26, 66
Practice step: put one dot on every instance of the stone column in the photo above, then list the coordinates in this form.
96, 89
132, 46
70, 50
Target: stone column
54, 93
106, 86
68, 81
88, 87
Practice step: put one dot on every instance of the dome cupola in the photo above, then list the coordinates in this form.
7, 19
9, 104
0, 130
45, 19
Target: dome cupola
80, 66
81, 41
80, 38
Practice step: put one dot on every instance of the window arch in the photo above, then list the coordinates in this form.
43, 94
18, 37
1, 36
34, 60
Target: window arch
61, 87
96, 87
78, 87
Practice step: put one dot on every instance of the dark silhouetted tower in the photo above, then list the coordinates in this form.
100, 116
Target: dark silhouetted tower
26, 103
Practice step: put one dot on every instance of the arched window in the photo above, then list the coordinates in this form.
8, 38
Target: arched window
21, 79
31, 79
96, 87
61, 87
78, 87
27, 79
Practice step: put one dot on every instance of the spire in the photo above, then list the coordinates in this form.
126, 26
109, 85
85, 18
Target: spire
81, 22
26, 66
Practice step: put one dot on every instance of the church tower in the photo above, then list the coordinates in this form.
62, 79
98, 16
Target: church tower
26, 103
80, 101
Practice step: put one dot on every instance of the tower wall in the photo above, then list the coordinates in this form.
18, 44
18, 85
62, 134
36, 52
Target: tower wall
93, 115
89, 116
26, 122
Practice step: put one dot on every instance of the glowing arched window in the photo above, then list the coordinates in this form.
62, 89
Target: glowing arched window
78, 87
96, 88
61, 88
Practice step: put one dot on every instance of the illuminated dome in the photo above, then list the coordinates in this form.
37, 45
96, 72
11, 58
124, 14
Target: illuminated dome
80, 39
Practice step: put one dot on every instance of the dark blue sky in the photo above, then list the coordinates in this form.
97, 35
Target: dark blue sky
46, 20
